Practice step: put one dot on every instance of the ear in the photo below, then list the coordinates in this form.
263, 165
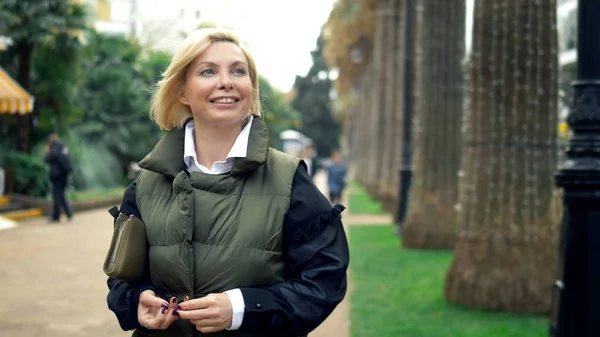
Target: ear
183, 99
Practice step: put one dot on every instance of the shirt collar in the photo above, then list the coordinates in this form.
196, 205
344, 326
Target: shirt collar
238, 150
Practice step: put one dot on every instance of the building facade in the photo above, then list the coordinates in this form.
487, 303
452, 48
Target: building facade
156, 24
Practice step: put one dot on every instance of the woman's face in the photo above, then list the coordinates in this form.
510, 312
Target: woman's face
218, 88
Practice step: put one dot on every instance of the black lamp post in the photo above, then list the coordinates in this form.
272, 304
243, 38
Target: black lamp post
576, 298
405, 172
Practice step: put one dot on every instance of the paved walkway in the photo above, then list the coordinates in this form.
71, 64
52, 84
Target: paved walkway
6, 223
367, 219
338, 323
52, 283
51, 279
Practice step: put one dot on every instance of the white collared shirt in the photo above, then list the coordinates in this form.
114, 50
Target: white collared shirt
238, 150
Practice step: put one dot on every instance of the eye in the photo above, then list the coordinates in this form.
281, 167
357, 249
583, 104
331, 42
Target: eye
240, 71
207, 72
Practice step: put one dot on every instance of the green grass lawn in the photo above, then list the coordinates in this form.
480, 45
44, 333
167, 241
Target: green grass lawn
359, 201
398, 293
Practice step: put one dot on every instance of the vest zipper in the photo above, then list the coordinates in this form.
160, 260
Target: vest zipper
190, 233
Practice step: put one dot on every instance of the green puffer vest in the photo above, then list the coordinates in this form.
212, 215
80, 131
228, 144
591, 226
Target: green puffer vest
211, 233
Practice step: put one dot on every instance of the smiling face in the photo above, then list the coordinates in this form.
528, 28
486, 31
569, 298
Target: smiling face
217, 86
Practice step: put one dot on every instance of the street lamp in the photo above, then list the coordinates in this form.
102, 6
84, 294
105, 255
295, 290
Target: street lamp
576, 295
405, 172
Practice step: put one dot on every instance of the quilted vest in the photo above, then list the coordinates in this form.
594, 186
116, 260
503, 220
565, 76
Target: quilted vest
211, 233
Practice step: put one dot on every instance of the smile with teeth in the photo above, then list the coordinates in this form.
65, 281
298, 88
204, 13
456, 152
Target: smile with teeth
224, 101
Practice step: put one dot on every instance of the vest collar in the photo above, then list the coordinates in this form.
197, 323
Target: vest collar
167, 156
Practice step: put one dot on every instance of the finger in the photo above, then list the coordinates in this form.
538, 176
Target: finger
168, 307
197, 314
209, 329
157, 321
171, 317
195, 304
149, 299
208, 322
172, 304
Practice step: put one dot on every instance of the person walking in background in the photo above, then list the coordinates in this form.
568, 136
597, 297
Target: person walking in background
60, 165
310, 159
336, 177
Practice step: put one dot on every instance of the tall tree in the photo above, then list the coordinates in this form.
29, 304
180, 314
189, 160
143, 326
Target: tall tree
278, 115
377, 110
313, 102
349, 35
392, 96
363, 134
438, 113
508, 233
115, 98
33, 25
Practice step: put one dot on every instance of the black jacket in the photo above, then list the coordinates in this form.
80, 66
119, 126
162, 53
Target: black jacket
316, 257
58, 160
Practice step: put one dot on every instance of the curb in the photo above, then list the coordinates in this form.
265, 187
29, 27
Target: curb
4, 200
76, 205
24, 214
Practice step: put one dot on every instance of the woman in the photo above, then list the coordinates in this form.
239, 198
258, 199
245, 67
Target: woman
241, 242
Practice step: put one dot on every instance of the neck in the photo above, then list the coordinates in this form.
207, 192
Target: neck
213, 142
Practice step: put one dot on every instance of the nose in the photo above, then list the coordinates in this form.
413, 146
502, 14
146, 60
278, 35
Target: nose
225, 82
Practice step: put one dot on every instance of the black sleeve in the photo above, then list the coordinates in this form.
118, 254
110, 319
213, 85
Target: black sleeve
123, 297
316, 256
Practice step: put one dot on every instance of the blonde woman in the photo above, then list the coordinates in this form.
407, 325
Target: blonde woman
241, 242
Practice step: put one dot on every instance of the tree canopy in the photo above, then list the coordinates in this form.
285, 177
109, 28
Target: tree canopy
313, 101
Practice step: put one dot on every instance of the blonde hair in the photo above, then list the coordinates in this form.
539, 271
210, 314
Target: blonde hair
165, 108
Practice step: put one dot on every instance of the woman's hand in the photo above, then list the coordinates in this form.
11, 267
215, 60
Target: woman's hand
212, 313
154, 312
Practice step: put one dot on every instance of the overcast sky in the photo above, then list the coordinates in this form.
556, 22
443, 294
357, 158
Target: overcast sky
281, 33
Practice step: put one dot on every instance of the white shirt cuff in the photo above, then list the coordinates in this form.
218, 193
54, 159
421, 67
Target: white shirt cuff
238, 307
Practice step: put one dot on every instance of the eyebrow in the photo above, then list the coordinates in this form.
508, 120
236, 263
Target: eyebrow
212, 64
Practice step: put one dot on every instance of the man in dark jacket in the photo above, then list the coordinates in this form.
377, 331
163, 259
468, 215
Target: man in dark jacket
59, 161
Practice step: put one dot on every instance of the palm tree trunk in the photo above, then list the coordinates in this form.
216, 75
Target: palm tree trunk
391, 94
506, 252
377, 107
440, 43
364, 127
395, 158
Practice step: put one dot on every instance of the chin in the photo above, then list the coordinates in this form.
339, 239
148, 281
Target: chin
224, 117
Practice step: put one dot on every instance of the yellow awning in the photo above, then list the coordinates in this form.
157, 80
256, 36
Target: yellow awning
13, 98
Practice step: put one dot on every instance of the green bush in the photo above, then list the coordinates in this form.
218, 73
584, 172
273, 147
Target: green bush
29, 173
